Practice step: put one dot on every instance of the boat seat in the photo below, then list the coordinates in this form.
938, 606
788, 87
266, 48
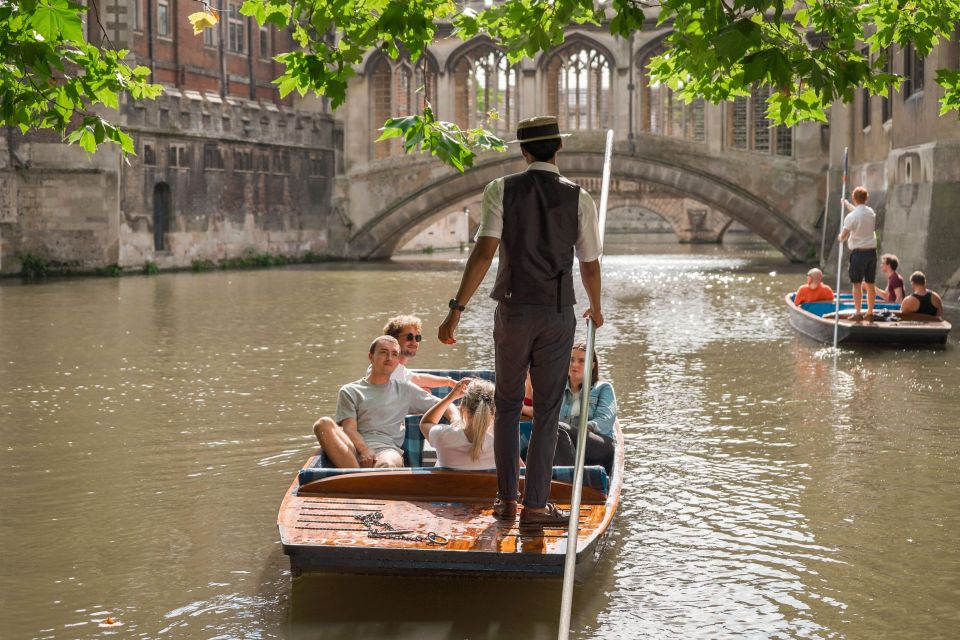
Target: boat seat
823, 308
594, 476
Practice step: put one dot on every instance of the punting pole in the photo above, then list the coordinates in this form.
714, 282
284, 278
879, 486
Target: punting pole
843, 196
570, 561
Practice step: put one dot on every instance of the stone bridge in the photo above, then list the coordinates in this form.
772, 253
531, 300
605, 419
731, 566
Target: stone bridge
775, 197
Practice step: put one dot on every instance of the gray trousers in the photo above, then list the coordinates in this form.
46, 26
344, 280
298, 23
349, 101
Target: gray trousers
538, 337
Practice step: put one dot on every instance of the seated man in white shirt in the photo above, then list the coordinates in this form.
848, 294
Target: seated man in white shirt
406, 331
369, 428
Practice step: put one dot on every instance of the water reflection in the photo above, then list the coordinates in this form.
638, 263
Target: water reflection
149, 427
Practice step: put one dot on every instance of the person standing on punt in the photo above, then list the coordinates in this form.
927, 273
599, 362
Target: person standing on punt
859, 229
539, 221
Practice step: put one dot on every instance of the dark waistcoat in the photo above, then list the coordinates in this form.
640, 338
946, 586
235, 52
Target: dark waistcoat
540, 225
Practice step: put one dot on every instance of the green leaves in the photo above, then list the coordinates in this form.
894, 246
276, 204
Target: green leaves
51, 77
949, 79
809, 54
444, 140
809, 58
95, 130
58, 20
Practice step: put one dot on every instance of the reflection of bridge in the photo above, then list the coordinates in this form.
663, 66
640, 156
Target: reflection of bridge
771, 195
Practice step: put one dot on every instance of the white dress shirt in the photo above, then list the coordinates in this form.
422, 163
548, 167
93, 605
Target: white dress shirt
588, 246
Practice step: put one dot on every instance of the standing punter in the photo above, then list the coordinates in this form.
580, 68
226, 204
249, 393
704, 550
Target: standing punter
538, 220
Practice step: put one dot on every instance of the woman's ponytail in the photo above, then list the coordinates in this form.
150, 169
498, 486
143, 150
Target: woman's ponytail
478, 406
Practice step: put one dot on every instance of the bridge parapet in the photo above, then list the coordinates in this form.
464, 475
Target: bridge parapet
771, 195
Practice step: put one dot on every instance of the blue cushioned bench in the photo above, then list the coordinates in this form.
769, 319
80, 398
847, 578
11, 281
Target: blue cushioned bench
593, 476
822, 308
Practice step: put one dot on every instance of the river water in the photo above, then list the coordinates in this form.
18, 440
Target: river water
150, 426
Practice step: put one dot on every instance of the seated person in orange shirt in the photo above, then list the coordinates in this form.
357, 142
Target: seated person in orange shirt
814, 290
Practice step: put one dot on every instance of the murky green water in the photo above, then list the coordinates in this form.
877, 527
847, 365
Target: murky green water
149, 427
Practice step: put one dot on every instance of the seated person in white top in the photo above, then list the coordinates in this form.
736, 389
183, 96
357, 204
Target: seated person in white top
406, 331
466, 443
368, 429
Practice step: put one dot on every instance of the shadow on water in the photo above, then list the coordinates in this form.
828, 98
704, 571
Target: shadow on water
341, 606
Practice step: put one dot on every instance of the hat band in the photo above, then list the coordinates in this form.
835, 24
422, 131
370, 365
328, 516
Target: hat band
540, 132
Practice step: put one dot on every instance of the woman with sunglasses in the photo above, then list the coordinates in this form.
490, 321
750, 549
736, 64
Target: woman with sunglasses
406, 330
466, 443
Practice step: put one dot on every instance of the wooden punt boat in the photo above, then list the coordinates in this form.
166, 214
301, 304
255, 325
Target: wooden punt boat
431, 521
816, 319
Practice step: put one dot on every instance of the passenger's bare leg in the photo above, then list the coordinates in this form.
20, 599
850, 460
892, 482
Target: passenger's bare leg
335, 443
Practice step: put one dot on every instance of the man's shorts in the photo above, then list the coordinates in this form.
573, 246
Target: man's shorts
386, 455
863, 266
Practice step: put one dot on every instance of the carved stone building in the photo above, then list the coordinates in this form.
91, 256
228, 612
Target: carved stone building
908, 156
223, 165
593, 81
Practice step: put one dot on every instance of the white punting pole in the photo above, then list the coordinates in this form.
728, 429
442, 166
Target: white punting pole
570, 561
843, 196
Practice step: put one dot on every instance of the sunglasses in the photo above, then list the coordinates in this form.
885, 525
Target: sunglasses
417, 337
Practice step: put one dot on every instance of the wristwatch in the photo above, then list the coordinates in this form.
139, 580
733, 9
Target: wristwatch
453, 304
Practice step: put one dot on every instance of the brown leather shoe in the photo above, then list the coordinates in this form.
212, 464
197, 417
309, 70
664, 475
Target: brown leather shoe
551, 517
504, 509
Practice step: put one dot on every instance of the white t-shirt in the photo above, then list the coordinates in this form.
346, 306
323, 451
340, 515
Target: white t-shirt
587, 247
400, 374
453, 448
862, 222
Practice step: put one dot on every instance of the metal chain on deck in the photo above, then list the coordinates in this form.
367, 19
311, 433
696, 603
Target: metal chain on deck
377, 528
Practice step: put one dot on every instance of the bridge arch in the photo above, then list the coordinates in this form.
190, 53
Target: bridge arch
379, 236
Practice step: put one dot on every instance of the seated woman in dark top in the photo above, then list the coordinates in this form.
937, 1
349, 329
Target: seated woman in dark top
601, 414
922, 302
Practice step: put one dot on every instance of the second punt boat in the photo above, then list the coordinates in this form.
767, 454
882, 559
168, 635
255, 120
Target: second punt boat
816, 319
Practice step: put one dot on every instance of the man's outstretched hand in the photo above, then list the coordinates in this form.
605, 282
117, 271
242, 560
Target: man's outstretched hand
448, 327
596, 316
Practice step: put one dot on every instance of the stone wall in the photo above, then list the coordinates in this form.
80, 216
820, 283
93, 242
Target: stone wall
227, 177
910, 163
242, 177
57, 204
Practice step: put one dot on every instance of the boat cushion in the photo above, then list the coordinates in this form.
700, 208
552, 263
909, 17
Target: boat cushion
594, 476
821, 308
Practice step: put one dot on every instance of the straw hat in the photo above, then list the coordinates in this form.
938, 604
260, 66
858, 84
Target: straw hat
538, 128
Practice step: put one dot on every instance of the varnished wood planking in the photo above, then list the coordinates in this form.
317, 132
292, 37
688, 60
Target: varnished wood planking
468, 526
319, 533
449, 486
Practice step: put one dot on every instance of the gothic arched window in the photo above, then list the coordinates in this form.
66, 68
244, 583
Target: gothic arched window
749, 128
579, 88
484, 81
666, 113
399, 88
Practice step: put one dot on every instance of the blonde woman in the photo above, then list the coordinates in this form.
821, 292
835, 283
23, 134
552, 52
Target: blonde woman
466, 443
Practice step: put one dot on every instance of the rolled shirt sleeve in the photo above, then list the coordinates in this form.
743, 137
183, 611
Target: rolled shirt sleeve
491, 212
588, 247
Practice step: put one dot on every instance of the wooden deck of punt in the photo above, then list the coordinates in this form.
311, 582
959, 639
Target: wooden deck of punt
900, 332
319, 530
